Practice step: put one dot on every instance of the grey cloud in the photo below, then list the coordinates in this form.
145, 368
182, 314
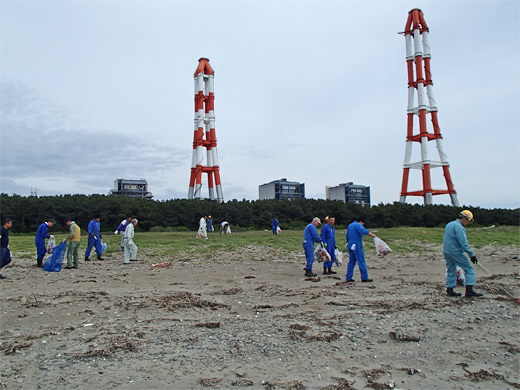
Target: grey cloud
40, 138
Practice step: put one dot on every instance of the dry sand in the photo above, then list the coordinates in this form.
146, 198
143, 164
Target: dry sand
250, 319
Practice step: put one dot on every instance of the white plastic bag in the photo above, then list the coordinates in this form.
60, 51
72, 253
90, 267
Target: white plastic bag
339, 258
103, 246
278, 230
51, 244
321, 254
461, 277
381, 248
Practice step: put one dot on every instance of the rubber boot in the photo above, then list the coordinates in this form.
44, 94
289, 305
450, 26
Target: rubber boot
325, 271
472, 293
87, 258
100, 258
331, 272
452, 293
39, 262
309, 273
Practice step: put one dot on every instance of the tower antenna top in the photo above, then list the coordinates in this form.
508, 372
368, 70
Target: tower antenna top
204, 126
420, 81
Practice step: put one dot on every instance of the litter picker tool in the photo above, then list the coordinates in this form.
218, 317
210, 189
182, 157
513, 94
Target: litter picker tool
483, 268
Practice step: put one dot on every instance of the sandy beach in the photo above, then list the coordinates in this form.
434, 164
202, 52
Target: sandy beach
250, 319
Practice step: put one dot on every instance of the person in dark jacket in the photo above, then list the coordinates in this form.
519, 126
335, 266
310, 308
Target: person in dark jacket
5, 252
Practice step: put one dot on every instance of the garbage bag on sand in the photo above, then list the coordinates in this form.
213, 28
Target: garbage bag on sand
339, 258
321, 254
54, 262
381, 248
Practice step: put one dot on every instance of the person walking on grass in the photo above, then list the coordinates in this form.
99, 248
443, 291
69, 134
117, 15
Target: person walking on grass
74, 238
39, 240
310, 236
209, 224
203, 228
355, 232
130, 247
274, 225
455, 244
5, 252
328, 235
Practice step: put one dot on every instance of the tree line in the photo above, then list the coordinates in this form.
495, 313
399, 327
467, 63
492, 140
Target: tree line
29, 212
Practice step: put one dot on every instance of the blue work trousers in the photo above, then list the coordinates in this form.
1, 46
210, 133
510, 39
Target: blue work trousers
357, 255
92, 242
41, 251
458, 259
308, 247
331, 249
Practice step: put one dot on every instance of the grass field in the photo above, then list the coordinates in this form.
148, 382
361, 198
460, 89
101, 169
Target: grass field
401, 240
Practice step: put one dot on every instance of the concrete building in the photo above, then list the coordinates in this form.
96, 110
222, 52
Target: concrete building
131, 188
349, 192
281, 189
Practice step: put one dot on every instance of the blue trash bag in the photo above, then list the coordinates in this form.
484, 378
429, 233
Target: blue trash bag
54, 263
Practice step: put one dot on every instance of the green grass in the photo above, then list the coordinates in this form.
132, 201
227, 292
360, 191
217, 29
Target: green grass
401, 240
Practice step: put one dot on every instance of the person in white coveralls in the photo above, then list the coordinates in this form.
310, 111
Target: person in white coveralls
130, 247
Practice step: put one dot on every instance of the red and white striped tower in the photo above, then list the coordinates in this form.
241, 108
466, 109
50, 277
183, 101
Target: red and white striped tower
418, 53
204, 119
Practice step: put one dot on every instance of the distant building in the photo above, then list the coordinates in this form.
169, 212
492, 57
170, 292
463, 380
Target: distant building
131, 188
281, 189
349, 193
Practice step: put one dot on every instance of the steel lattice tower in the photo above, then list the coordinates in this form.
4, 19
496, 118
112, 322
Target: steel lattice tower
204, 119
418, 53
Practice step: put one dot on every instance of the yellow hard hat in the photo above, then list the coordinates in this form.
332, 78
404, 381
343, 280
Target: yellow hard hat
467, 214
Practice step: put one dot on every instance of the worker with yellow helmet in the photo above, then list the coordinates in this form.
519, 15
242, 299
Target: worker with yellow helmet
455, 244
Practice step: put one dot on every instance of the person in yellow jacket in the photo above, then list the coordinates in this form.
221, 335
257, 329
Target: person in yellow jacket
74, 238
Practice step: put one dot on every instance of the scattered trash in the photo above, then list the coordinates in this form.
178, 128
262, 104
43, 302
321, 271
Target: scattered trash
160, 265
399, 335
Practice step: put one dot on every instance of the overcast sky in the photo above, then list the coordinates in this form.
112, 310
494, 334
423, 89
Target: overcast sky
311, 91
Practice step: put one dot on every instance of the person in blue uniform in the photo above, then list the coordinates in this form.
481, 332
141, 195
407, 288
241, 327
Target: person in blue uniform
455, 244
5, 252
328, 236
94, 238
274, 225
39, 240
209, 224
310, 236
355, 232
